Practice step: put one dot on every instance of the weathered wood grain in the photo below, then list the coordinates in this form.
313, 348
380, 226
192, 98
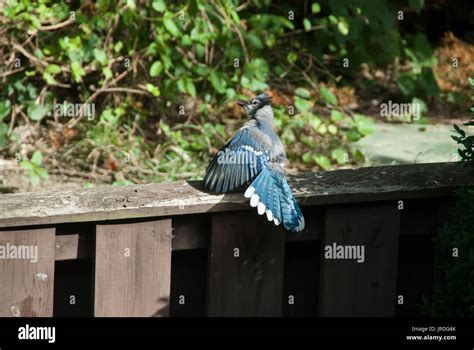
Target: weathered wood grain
356, 289
27, 285
245, 266
133, 269
153, 200
74, 246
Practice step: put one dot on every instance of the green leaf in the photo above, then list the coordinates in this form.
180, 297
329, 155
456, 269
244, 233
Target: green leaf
186, 85
343, 27
77, 71
37, 158
131, 4
292, 57
156, 68
230, 93
107, 72
302, 104
26, 165
49, 78
315, 8
328, 96
364, 124
218, 82
101, 56
123, 183
4, 134
323, 161
36, 112
186, 40
34, 178
5, 107
302, 92
53, 69
42, 173
154, 90
315, 123
118, 46
353, 135
171, 26
332, 129
459, 130
158, 6
336, 116
307, 158
307, 24
323, 129
190, 87
339, 155
358, 155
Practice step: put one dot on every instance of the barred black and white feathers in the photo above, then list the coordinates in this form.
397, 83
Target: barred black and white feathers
255, 156
272, 196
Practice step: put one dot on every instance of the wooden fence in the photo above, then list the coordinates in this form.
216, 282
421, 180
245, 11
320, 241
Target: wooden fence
173, 250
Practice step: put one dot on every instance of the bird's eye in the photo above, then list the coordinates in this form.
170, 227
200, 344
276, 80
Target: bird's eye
254, 102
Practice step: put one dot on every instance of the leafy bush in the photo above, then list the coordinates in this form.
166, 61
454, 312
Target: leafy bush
454, 296
162, 76
33, 168
467, 142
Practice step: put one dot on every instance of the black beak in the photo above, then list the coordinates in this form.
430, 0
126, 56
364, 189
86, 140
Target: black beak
242, 103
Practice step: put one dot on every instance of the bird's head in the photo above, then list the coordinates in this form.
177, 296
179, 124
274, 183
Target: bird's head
253, 105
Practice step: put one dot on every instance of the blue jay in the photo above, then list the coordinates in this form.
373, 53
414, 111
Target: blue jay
256, 156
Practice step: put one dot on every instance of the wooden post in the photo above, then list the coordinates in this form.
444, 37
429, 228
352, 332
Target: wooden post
349, 288
245, 266
27, 272
133, 269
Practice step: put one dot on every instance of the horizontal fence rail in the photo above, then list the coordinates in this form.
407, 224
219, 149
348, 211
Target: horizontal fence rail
179, 198
174, 250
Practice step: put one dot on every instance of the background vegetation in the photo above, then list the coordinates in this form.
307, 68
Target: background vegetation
164, 77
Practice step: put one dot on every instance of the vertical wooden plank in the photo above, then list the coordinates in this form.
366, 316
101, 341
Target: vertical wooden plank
188, 283
133, 269
245, 266
73, 288
415, 277
27, 272
301, 284
349, 288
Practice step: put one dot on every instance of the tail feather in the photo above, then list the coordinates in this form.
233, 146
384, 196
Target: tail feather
260, 182
272, 196
269, 199
296, 218
276, 207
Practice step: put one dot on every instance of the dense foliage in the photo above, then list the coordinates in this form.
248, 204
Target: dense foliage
467, 142
454, 294
163, 77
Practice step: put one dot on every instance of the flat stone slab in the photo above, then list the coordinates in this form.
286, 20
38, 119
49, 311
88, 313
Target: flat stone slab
392, 144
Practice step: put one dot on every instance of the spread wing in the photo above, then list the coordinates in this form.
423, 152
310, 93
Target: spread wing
239, 161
